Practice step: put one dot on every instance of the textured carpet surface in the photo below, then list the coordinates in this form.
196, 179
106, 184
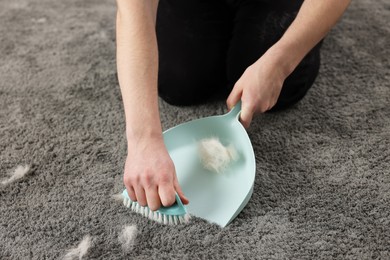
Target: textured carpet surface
322, 185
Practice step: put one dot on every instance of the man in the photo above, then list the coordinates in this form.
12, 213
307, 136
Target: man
265, 53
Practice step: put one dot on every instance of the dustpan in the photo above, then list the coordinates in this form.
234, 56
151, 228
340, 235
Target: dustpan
215, 197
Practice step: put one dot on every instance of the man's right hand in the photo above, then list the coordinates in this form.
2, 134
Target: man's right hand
149, 174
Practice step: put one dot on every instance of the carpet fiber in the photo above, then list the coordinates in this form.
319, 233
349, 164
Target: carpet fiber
322, 185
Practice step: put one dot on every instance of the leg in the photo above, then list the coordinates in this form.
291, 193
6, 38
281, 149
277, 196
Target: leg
257, 26
192, 40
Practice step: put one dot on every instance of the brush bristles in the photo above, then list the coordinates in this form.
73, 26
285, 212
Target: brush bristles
155, 215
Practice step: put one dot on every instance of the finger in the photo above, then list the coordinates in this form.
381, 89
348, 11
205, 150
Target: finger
234, 97
131, 193
152, 198
129, 187
141, 197
246, 115
167, 194
180, 192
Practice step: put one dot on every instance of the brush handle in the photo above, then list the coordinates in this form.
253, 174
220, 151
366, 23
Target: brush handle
234, 113
178, 200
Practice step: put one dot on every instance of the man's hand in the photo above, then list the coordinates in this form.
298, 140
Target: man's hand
150, 176
260, 85
258, 88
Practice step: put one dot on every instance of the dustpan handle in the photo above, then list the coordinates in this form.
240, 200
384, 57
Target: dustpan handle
235, 111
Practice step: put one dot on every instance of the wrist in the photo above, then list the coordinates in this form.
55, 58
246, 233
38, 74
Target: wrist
139, 134
142, 125
284, 58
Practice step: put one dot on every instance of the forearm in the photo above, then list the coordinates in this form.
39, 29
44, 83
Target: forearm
313, 22
137, 65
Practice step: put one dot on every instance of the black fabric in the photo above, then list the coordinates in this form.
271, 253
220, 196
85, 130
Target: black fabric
205, 46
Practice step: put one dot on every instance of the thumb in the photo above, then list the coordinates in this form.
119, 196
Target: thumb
246, 114
180, 192
234, 97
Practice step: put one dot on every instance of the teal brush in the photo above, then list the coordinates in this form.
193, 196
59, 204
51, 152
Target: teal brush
173, 215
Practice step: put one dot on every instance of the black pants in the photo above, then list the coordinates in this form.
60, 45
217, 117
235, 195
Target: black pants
206, 45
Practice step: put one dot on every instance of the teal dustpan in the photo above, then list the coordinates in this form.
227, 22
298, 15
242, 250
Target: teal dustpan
215, 197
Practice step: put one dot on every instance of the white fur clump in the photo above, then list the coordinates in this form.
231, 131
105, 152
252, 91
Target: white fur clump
19, 173
127, 237
214, 155
80, 250
118, 197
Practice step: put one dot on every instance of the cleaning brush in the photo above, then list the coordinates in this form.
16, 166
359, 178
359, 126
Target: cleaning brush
172, 215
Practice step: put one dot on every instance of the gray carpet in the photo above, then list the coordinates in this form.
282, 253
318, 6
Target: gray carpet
322, 186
